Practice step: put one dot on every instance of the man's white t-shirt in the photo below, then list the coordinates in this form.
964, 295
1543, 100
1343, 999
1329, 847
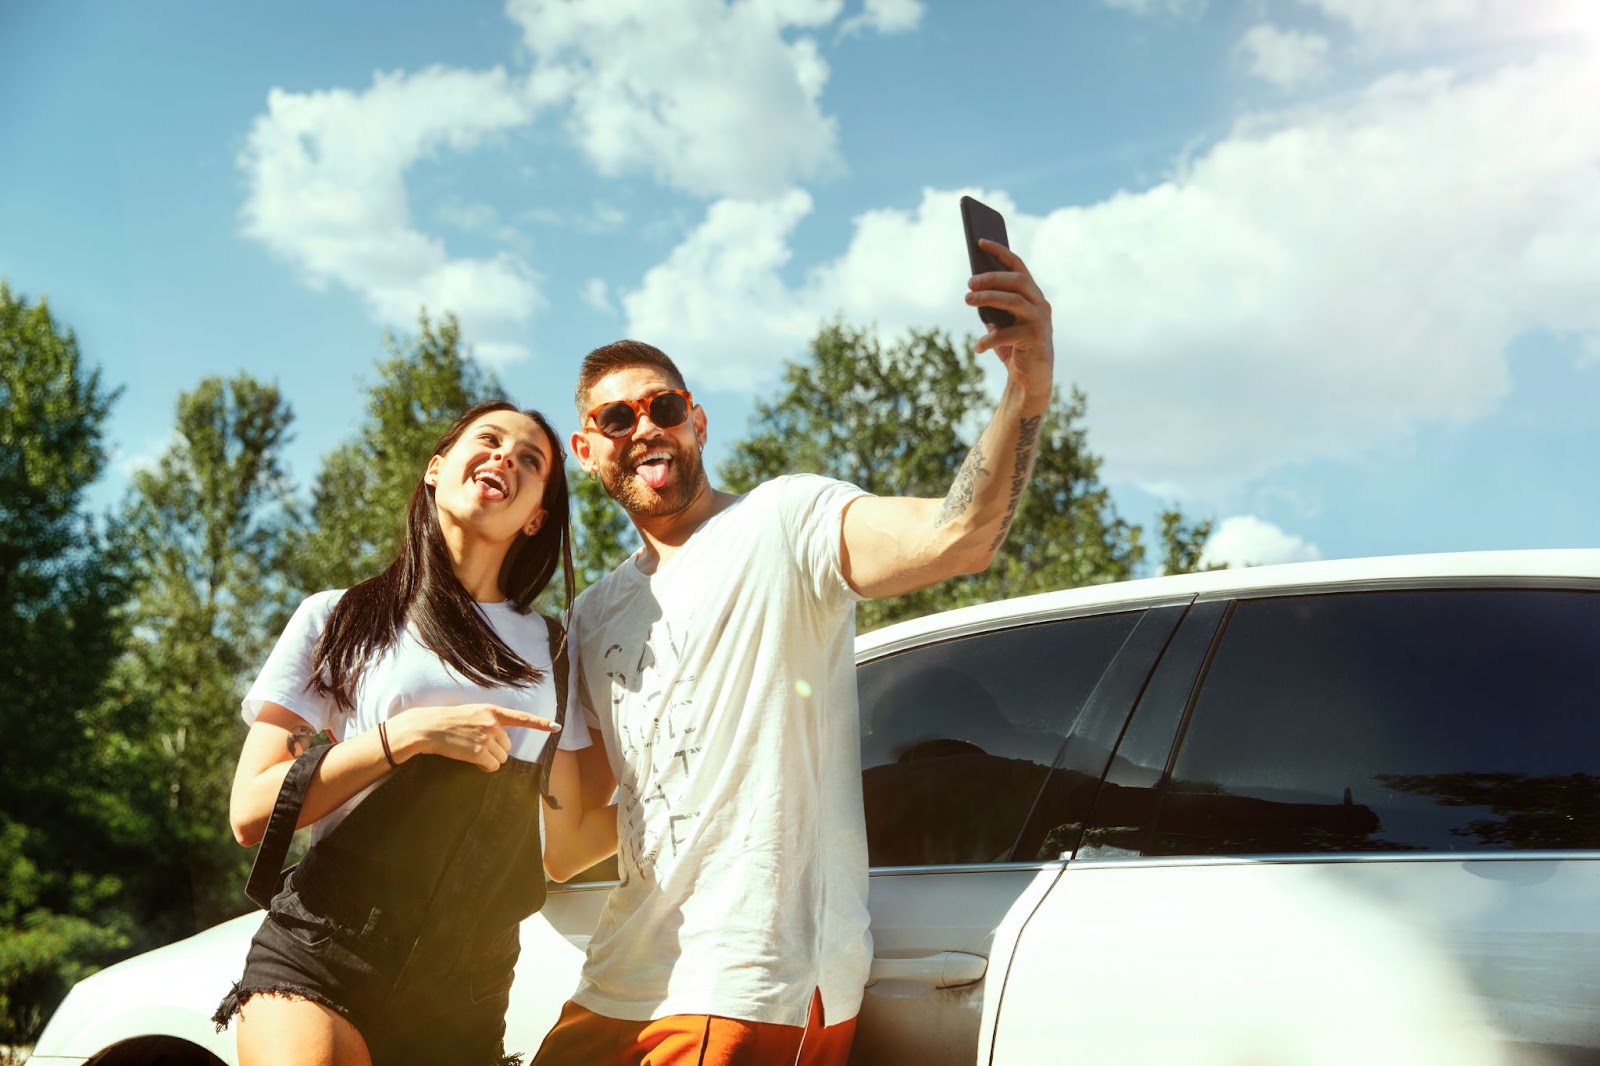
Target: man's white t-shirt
724, 687
406, 675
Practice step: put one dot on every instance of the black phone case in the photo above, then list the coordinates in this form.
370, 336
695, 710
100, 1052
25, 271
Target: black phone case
981, 220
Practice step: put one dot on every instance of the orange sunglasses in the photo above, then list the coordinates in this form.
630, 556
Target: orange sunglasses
616, 418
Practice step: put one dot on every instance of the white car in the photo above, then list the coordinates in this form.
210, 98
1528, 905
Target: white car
1343, 812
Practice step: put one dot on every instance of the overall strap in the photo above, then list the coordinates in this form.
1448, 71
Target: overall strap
266, 874
558, 673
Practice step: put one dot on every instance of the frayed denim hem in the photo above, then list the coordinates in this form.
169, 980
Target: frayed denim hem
236, 997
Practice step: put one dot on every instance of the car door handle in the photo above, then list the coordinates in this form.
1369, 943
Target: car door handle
946, 969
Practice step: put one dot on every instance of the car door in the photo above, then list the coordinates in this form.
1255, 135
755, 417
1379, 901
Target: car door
1345, 826
981, 752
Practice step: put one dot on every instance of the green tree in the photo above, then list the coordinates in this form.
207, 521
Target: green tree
357, 516
203, 532
60, 807
1183, 543
897, 420
602, 535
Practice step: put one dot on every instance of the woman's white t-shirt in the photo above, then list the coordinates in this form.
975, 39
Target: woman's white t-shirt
406, 675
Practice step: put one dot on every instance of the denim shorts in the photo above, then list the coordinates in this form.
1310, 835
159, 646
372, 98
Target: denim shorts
407, 1011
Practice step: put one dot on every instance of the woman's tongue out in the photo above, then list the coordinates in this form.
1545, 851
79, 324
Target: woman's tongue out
654, 470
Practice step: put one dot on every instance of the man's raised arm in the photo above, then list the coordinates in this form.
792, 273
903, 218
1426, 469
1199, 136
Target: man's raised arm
893, 545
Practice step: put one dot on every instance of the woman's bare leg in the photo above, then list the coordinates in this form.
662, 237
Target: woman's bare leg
285, 1030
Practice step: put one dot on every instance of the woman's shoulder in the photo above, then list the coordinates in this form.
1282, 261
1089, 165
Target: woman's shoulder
320, 604
313, 612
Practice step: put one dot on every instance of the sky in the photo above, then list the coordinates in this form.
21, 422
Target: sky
1328, 271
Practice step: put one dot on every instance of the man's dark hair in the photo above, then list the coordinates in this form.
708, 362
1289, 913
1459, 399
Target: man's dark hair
420, 589
619, 355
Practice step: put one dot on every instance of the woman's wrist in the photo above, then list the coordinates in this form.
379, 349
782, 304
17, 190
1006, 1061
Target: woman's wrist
405, 740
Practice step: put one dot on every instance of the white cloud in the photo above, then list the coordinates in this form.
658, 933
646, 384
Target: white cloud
1390, 24
1245, 540
600, 218
716, 98
1286, 58
326, 172
597, 294
721, 306
1317, 285
886, 16
1397, 25
481, 219
718, 305
1173, 8
125, 464
713, 98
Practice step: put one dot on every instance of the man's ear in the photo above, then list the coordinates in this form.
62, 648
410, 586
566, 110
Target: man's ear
432, 475
698, 418
581, 451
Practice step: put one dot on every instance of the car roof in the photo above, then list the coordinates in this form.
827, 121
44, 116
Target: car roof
1538, 566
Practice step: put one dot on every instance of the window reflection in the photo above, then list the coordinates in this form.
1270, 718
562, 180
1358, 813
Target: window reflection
1447, 720
958, 738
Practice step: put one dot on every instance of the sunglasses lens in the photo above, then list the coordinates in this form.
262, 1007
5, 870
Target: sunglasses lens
668, 409
614, 419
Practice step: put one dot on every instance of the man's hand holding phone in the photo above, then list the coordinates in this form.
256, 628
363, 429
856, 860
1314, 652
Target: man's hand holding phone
1008, 300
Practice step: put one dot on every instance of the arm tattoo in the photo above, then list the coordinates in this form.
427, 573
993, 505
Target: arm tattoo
300, 738
1027, 437
959, 498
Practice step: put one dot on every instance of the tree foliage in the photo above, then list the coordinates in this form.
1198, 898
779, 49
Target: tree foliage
203, 532
64, 823
897, 421
358, 502
602, 534
1183, 543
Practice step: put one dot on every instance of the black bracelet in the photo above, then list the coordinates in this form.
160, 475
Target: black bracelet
383, 737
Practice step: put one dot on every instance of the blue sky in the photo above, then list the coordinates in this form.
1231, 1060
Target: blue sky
1326, 269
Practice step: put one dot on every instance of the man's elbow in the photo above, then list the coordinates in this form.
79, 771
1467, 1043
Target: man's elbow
972, 555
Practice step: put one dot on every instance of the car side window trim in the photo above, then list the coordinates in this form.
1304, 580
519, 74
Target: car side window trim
1123, 813
1103, 718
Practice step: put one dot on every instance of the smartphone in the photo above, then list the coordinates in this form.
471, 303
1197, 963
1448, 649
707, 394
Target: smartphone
981, 220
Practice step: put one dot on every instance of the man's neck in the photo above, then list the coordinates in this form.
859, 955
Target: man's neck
663, 535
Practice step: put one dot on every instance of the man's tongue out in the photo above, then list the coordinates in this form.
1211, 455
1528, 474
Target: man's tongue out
653, 472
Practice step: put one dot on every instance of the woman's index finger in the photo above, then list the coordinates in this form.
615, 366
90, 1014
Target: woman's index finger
509, 716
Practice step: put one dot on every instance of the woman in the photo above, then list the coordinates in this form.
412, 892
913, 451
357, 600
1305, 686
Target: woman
394, 939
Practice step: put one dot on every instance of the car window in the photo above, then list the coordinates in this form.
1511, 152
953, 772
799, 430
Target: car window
958, 737
1124, 807
1443, 720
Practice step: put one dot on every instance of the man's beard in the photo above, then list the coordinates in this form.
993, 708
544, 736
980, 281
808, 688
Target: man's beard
683, 484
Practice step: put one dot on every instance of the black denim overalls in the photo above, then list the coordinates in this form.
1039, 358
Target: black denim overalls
404, 917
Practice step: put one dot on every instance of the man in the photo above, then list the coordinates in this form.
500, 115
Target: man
715, 669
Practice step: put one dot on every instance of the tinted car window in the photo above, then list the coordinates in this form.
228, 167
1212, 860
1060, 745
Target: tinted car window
958, 737
1447, 720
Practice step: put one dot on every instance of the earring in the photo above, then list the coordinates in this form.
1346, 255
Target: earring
594, 475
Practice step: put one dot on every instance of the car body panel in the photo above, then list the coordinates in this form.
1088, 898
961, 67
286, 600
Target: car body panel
1521, 567
171, 991
1418, 960
921, 914
553, 945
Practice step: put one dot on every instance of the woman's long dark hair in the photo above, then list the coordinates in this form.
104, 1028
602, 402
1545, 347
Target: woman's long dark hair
420, 588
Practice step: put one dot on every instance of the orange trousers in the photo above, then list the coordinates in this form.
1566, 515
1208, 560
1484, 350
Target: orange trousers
583, 1038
